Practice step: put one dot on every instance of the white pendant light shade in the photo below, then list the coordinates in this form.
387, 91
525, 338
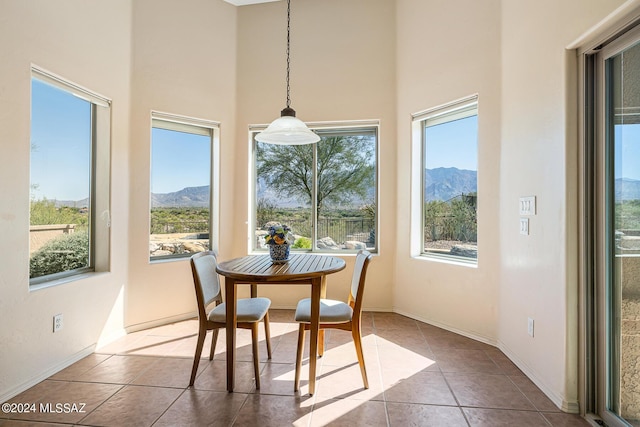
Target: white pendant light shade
287, 130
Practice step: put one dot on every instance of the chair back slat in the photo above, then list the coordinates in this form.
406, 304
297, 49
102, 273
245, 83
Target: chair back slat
358, 279
206, 280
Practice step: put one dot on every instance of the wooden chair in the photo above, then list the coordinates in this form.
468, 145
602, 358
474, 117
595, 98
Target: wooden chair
337, 315
250, 311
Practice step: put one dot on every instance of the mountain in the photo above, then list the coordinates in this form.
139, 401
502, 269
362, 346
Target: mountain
446, 183
188, 197
264, 192
627, 189
73, 203
439, 184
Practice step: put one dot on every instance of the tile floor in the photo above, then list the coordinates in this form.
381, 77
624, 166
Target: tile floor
419, 375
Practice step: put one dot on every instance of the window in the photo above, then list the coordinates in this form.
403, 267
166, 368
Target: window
326, 192
69, 180
449, 180
183, 151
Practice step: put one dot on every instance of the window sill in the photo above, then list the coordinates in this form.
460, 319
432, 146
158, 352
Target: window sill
172, 258
64, 280
444, 259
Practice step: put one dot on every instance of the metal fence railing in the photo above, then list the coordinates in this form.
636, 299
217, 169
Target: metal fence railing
343, 229
170, 227
448, 227
338, 229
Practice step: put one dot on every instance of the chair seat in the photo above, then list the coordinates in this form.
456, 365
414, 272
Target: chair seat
248, 310
331, 311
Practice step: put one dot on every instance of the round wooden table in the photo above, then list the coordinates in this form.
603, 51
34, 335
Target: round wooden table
301, 269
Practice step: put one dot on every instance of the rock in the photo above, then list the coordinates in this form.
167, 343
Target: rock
260, 235
169, 247
354, 245
467, 251
193, 247
629, 357
360, 237
161, 253
327, 243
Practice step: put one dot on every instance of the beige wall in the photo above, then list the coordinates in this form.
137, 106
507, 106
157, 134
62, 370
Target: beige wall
184, 63
539, 157
342, 68
446, 51
88, 43
512, 53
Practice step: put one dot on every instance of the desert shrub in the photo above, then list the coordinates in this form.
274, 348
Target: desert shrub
44, 212
452, 220
179, 220
265, 212
64, 253
302, 243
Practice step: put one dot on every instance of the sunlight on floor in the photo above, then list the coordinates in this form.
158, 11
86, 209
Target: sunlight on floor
340, 378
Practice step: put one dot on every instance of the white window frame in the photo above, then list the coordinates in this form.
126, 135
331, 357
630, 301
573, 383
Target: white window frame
203, 127
459, 109
99, 196
342, 127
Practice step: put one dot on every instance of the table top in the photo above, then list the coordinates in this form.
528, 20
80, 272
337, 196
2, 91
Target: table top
260, 268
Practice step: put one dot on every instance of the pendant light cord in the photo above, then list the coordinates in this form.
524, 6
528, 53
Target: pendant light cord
286, 129
288, 50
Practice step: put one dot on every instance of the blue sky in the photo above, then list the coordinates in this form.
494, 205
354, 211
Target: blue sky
627, 148
179, 160
453, 144
61, 143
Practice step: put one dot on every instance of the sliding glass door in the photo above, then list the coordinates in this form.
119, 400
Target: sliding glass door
617, 236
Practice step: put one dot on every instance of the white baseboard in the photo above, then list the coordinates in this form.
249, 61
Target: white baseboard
571, 407
560, 401
379, 309
282, 307
286, 307
160, 322
110, 337
449, 328
46, 374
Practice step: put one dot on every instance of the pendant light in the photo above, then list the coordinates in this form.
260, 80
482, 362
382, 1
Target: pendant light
287, 129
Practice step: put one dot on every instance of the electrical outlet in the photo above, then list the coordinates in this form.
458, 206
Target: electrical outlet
530, 326
57, 322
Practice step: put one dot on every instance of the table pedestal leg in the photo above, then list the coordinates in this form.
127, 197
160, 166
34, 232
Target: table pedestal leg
323, 294
231, 304
316, 290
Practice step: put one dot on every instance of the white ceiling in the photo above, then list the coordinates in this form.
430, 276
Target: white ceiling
246, 2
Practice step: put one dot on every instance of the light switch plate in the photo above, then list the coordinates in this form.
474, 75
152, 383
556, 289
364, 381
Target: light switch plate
524, 226
528, 205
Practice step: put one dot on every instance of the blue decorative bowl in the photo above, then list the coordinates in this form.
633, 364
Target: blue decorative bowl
279, 253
